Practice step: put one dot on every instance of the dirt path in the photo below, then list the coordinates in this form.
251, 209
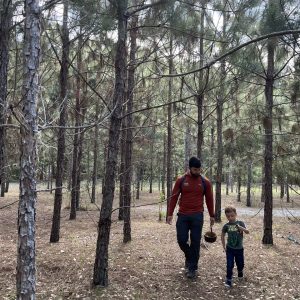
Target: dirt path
150, 267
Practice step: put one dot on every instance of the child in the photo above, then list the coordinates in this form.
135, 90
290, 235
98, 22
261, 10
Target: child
234, 248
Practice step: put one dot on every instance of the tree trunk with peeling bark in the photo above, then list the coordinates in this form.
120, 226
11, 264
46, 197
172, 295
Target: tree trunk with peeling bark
61, 147
100, 276
268, 157
5, 23
26, 265
129, 131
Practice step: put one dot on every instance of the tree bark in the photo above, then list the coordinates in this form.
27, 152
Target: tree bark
122, 170
287, 191
95, 164
100, 276
212, 147
187, 145
26, 266
239, 183
163, 171
5, 23
129, 131
75, 174
61, 147
220, 101
268, 157
169, 126
200, 94
151, 160
249, 182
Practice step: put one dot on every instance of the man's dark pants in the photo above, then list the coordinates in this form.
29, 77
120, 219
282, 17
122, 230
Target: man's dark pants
190, 226
238, 256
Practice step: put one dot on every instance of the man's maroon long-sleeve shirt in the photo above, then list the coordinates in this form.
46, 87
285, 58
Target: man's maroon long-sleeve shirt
191, 200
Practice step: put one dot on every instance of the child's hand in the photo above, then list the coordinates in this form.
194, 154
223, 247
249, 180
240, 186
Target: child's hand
239, 228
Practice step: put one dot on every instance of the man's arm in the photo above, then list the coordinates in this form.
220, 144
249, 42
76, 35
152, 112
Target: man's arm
173, 201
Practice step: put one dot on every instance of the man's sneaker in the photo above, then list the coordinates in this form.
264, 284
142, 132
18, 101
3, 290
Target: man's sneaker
191, 274
240, 276
186, 267
228, 283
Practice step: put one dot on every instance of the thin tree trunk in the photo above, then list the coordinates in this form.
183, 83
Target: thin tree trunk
169, 126
187, 146
227, 180
220, 101
268, 159
281, 183
249, 182
231, 179
75, 174
200, 94
151, 159
61, 147
5, 23
26, 266
129, 133
100, 276
212, 146
95, 165
138, 182
80, 154
163, 171
263, 196
239, 183
122, 170
287, 190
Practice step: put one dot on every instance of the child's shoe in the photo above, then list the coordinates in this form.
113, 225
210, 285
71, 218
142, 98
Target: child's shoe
240, 276
228, 283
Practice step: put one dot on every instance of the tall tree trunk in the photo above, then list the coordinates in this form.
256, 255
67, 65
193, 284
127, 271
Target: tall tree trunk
227, 179
138, 181
268, 159
151, 159
287, 190
95, 164
249, 182
5, 23
169, 126
212, 147
75, 174
61, 147
263, 196
231, 178
80, 154
26, 267
220, 101
101, 260
187, 145
129, 133
200, 94
281, 183
122, 169
239, 183
163, 171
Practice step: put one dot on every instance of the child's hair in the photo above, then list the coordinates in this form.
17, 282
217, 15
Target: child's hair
229, 209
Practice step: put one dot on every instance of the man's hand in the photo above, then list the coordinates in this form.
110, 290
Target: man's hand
212, 221
169, 220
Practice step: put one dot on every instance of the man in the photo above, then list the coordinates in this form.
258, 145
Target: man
192, 187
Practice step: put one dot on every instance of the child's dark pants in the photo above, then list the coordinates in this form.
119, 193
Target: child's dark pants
190, 224
238, 256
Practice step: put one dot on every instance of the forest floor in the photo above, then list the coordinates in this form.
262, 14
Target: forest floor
151, 265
